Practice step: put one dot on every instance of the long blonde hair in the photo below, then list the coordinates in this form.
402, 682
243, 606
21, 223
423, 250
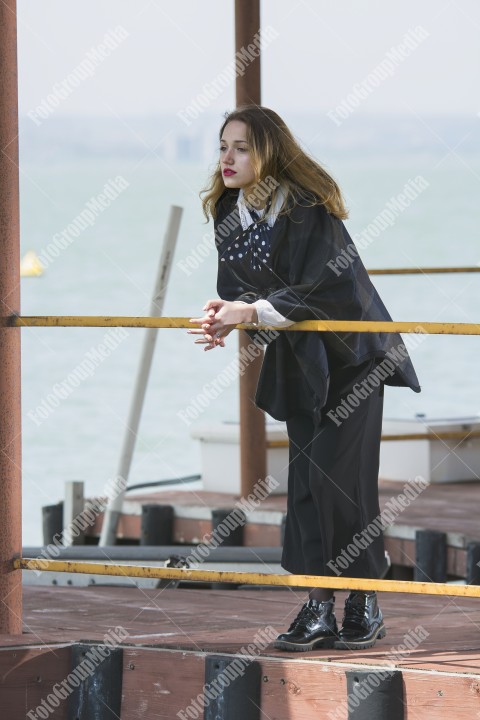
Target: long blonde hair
276, 154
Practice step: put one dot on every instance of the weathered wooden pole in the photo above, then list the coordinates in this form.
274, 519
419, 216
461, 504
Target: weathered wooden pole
10, 409
253, 461
115, 502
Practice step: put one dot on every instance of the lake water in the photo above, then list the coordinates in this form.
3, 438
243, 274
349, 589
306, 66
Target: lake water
110, 270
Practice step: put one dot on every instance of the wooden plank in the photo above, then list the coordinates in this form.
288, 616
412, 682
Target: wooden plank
160, 683
28, 675
190, 531
256, 535
402, 552
302, 690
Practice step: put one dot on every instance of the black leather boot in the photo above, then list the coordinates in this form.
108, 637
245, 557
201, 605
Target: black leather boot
362, 622
315, 626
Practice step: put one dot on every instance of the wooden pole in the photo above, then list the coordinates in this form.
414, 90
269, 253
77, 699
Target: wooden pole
10, 408
115, 502
253, 458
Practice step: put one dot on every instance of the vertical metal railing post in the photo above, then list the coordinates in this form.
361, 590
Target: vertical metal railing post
253, 461
10, 396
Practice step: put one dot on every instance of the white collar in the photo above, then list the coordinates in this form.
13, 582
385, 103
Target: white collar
245, 216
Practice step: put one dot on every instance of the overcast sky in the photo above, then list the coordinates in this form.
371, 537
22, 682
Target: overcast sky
322, 50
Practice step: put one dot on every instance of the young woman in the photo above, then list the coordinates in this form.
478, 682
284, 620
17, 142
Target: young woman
286, 256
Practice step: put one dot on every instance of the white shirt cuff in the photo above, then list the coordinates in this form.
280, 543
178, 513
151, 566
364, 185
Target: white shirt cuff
267, 315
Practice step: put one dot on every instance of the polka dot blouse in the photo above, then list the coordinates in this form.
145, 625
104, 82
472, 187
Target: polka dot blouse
252, 244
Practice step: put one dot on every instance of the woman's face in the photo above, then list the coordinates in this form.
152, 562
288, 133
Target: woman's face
235, 162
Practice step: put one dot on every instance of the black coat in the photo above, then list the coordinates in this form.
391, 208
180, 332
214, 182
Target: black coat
302, 285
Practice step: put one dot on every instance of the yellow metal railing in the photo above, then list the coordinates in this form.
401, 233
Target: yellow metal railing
432, 328
247, 578
427, 328
424, 270
285, 580
443, 435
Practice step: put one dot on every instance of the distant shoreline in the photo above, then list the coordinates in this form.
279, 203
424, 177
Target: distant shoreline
131, 136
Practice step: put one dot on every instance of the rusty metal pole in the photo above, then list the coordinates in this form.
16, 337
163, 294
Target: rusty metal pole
247, 24
253, 460
10, 409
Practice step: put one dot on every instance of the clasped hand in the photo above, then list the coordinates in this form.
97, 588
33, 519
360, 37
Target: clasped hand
221, 316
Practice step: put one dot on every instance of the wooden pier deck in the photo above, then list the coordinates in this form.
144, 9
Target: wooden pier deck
451, 508
172, 632
172, 635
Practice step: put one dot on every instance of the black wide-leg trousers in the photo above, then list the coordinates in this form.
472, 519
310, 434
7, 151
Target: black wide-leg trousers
333, 482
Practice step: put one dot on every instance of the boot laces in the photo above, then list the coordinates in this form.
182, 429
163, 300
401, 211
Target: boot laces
305, 615
355, 610
302, 618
